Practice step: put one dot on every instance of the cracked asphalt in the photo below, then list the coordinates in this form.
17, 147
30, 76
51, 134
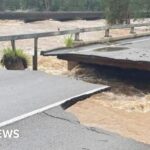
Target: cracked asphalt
25, 92
56, 129
131, 53
131, 49
53, 129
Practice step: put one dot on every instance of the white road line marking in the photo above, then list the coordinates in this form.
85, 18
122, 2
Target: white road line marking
21, 117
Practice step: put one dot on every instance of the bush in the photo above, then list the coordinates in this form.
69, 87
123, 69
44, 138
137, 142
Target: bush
14, 58
117, 11
69, 42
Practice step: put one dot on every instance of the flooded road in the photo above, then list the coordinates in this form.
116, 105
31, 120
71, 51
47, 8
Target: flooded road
124, 110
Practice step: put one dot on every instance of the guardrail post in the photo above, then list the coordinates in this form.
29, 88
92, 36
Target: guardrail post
35, 56
77, 36
107, 31
132, 30
13, 45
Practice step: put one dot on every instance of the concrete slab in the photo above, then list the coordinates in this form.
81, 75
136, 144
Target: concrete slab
133, 53
25, 93
58, 130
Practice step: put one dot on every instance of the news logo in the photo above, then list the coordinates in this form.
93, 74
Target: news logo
9, 134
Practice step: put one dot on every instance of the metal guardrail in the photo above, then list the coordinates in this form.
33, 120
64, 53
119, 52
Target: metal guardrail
76, 32
72, 31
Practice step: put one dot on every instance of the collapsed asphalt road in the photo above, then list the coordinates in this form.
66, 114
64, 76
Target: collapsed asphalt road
25, 93
57, 130
50, 129
129, 54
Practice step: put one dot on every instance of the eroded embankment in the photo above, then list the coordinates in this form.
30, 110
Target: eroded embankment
130, 88
124, 109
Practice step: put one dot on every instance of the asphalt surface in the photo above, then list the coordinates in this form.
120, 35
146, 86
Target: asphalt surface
72, 50
133, 49
25, 93
57, 130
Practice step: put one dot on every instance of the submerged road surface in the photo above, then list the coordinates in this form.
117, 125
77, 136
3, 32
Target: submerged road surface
25, 93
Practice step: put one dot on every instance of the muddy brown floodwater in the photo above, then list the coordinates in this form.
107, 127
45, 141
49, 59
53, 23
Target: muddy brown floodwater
125, 109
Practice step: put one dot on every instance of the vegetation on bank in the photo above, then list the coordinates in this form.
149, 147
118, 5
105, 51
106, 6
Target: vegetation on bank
14, 59
76, 5
120, 11
69, 41
51, 5
116, 11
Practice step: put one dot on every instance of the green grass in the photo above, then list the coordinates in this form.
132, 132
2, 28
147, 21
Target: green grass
69, 41
14, 54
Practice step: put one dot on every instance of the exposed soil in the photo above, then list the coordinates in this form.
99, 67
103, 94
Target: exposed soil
124, 109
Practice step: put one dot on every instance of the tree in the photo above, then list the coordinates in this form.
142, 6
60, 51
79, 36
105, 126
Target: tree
47, 4
140, 8
117, 11
54, 5
2, 7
